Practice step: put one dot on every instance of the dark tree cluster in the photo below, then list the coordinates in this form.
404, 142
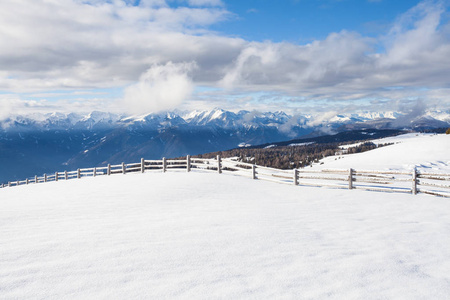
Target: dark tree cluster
435, 130
288, 157
365, 147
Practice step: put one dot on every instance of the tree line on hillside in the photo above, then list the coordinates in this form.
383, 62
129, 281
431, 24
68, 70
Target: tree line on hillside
289, 157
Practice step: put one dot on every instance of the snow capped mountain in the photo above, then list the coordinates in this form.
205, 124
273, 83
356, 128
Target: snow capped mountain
365, 116
153, 121
219, 118
271, 119
428, 121
60, 121
439, 115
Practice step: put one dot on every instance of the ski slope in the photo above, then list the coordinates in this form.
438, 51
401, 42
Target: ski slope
196, 235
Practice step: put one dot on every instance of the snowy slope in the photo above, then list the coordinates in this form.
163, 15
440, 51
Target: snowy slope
427, 152
210, 236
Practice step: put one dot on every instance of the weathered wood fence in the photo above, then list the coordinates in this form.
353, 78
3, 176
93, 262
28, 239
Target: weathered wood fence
413, 182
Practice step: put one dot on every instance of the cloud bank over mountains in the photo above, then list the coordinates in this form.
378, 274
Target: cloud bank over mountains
159, 54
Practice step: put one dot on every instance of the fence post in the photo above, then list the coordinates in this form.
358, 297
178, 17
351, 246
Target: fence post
9, 183
124, 168
36, 180
56, 176
253, 171
108, 171
27, 181
219, 167
18, 182
414, 182
164, 162
45, 177
350, 179
66, 176
78, 173
94, 172
188, 163
142, 165
295, 177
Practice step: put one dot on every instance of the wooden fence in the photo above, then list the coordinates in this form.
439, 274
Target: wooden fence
413, 182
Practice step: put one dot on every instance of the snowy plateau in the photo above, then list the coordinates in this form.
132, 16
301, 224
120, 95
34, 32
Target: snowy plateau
198, 235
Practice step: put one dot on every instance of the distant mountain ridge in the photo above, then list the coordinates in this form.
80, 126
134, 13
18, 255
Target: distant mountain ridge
222, 118
43, 143
95, 120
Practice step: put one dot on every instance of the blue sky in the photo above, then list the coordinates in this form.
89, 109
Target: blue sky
303, 56
302, 21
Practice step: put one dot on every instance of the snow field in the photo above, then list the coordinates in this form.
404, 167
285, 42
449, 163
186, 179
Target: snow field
209, 236
427, 152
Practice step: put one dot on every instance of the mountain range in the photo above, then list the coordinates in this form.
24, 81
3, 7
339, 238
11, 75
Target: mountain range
45, 143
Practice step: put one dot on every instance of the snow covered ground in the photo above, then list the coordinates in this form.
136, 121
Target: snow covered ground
427, 152
198, 235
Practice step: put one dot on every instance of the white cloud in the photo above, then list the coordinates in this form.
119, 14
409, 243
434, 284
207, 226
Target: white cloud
339, 58
205, 2
13, 105
346, 66
71, 44
75, 44
418, 49
162, 87
9, 105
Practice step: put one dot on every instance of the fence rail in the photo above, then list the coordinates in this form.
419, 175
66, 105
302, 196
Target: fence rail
383, 181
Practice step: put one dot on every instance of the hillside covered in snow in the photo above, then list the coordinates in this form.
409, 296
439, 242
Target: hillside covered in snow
426, 152
207, 235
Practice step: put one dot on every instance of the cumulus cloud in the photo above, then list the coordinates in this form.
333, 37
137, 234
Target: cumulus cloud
347, 65
418, 48
72, 44
162, 87
337, 59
